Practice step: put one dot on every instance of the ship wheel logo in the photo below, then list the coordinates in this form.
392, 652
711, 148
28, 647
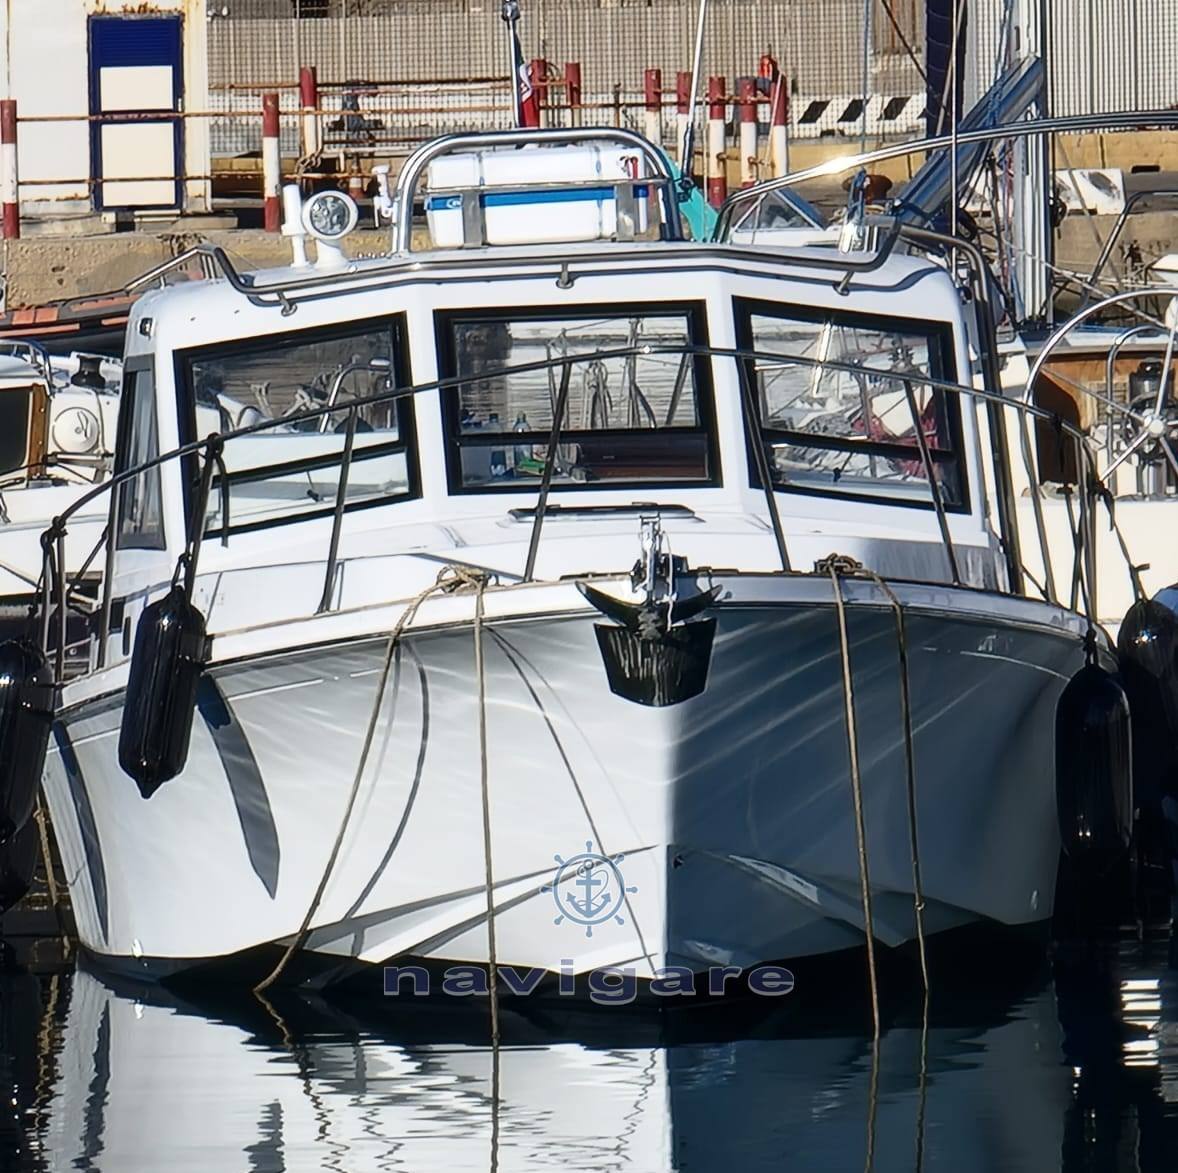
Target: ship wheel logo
588, 889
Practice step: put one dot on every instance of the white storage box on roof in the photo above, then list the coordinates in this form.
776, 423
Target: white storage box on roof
522, 197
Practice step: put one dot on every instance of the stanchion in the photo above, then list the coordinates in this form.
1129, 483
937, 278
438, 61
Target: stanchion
9, 173
312, 136
717, 156
271, 164
746, 91
652, 85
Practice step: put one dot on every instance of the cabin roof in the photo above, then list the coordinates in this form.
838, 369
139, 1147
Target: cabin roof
474, 266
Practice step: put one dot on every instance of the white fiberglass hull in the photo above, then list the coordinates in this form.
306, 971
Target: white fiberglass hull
733, 810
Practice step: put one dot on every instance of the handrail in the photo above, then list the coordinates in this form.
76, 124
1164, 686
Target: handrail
415, 166
1061, 332
284, 295
1065, 124
197, 252
1131, 201
214, 442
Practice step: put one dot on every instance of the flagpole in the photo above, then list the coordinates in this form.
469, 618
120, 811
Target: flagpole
510, 14
687, 146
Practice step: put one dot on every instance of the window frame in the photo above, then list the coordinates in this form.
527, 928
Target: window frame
695, 313
399, 369
943, 367
138, 373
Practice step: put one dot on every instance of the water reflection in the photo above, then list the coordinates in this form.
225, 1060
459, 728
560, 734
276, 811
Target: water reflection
1075, 1072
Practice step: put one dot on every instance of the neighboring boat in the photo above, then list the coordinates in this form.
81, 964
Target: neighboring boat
491, 623
58, 415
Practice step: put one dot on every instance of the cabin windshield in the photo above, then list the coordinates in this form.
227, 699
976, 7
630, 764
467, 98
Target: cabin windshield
292, 471
850, 428
629, 418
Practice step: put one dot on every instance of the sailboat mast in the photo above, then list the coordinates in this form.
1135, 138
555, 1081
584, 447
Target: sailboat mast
1031, 222
687, 146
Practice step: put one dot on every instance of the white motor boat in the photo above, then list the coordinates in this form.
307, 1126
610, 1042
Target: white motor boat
59, 415
509, 629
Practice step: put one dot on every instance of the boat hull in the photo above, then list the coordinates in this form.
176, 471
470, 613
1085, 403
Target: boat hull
728, 819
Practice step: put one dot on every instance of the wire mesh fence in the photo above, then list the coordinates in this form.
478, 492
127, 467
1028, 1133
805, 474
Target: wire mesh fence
422, 67
1103, 55
394, 72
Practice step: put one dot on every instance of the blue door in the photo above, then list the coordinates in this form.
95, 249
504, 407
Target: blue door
136, 69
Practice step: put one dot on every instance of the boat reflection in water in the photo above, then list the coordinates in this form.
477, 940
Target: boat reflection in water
147, 1082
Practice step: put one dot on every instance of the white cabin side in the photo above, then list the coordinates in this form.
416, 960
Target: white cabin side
890, 523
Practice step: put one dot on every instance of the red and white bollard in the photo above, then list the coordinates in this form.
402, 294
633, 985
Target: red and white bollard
682, 117
652, 85
9, 176
357, 185
717, 156
271, 164
572, 85
746, 92
779, 127
309, 107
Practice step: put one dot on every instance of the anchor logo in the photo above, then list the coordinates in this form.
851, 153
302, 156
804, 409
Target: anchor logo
588, 888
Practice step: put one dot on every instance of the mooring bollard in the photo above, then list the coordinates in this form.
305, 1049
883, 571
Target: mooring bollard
271, 164
652, 86
717, 161
9, 175
312, 139
746, 89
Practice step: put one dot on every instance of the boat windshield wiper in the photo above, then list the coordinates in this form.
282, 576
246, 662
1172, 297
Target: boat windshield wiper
603, 510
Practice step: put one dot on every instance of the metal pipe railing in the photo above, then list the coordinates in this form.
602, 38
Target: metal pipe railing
417, 163
211, 446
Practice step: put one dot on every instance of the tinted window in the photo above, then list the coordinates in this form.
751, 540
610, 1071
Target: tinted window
293, 469
15, 403
844, 419
630, 417
140, 513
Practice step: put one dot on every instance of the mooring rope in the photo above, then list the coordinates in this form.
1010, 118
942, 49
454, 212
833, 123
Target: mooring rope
50, 877
835, 565
910, 766
485, 792
451, 578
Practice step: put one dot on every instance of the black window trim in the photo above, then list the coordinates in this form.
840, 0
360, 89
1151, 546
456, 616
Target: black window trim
138, 366
943, 366
406, 417
694, 310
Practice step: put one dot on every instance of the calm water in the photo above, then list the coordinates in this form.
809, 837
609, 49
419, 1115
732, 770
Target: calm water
1072, 1068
